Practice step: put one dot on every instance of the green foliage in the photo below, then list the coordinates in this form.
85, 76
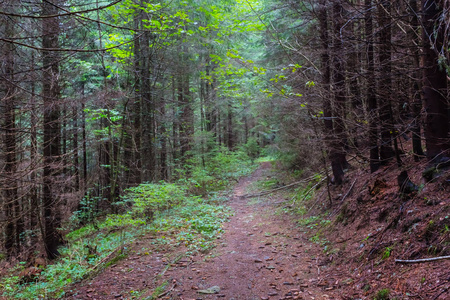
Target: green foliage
382, 295
222, 167
159, 290
116, 259
197, 222
306, 193
269, 183
149, 198
386, 253
177, 217
314, 221
252, 148
86, 212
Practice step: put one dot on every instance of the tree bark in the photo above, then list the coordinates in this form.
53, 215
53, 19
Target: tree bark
51, 139
164, 171
230, 134
434, 82
385, 82
14, 225
141, 88
76, 160
416, 95
370, 92
337, 153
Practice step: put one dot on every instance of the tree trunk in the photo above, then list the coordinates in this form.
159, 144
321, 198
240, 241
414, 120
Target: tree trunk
385, 82
416, 95
175, 125
187, 118
337, 153
230, 135
141, 77
370, 91
84, 140
434, 82
326, 72
14, 225
34, 213
76, 161
353, 71
164, 172
51, 139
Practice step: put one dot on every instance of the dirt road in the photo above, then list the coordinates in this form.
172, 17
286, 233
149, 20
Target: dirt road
261, 255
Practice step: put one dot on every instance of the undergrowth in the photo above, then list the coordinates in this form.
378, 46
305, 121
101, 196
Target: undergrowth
176, 213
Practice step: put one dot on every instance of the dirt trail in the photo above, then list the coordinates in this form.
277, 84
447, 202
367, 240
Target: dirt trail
261, 255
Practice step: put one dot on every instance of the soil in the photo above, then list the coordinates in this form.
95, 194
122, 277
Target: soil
265, 254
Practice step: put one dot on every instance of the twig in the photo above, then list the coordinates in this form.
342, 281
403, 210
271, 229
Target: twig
413, 261
439, 294
345, 196
271, 191
309, 191
277, 189
166, 292
105, 259
175, 260
318, 198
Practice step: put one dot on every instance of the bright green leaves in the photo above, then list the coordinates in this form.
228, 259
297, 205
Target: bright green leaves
267, 92
102, 113
215, 58
259, 71
112, 118
123, 53
278, 78
231, 53
310, 84
292, 67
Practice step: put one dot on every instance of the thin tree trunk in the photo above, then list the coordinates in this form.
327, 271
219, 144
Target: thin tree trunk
84, 141
326, 73
175, 125
76, 161
162, 133
140, 88
230, 136
14, 226
326, 79
51, 139
338, 160
34, 202
434, 82
416, 97
385, 82
370, 91
203, 97
353, 59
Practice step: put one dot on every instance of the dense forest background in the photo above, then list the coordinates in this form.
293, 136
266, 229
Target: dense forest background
101, 96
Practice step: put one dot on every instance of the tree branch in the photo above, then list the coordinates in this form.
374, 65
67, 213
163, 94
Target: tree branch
414, 261
59, 15
66, 50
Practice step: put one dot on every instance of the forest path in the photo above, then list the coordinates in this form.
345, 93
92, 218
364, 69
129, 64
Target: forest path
261, 255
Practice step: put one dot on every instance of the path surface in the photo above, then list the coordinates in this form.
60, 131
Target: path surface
261, 255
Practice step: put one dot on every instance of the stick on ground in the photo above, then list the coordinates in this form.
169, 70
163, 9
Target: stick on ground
415, 261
